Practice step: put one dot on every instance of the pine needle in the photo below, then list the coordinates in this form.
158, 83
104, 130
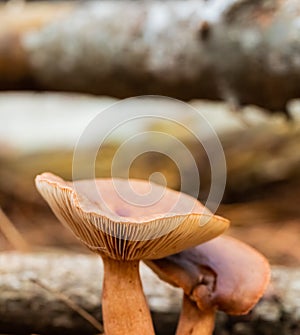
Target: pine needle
12, 234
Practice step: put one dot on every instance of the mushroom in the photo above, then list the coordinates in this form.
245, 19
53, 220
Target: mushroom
224, 274
126, 221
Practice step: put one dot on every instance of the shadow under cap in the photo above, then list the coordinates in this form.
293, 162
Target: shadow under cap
122, 230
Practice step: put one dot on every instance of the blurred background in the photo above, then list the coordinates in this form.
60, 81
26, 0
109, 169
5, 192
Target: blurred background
237, 62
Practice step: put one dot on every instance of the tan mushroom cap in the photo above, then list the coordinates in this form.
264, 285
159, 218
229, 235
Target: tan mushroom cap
224, 272
155, 222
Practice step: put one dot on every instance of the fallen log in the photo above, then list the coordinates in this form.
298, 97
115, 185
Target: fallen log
27, 307
239, 50
16, 20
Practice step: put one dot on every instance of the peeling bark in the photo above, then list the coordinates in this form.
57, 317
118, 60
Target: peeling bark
26, 307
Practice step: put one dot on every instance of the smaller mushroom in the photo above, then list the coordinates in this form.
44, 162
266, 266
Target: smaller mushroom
224, 274
126, 221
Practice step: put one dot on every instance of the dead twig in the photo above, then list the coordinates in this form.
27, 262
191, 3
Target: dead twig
70, 303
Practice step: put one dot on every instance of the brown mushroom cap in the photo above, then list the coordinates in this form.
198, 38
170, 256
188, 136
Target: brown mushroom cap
224, 272
110, 224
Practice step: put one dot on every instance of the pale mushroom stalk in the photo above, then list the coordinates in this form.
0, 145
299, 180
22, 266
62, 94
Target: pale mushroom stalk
124, 306
192, 321
223, 274
125, 221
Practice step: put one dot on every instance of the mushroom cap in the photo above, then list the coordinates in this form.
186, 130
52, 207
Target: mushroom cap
223, 273
129, 219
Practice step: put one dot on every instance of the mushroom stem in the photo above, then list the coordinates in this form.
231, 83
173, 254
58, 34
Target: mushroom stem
193, 321
124, 306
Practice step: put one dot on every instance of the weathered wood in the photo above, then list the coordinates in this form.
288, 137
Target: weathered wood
16, 20
26, 307
240, 50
